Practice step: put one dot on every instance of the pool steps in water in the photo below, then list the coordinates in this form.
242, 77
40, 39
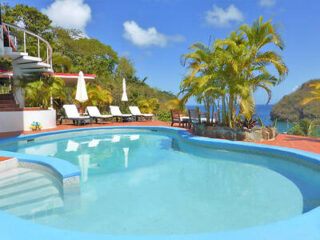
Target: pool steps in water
8, 163
22, 189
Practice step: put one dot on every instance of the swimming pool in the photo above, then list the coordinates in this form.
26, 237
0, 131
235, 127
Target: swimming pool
140, 181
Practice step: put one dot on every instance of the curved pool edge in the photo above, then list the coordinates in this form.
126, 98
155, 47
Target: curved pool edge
305, 226
63, 168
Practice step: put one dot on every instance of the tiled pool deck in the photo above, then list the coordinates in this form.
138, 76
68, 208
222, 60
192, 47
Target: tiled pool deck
283, 140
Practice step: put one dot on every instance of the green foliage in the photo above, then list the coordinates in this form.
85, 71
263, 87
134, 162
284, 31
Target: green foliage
62, 64
74, 52
305, 127
87, 55
231, 70
125, 70
29, 17
164, 116
5, 64
290, 107
33, 20
247, 123
176, 104
38, 93
315, 94
149, 106
96, 97
275, 123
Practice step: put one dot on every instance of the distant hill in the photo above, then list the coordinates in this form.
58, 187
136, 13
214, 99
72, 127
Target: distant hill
290, 108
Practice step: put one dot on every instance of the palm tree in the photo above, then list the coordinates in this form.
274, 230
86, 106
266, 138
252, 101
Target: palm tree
316, 94
305, 127
38, 93
232, 69
62, 64
247, 62
97, 96
175, 104
202, 80
149, 106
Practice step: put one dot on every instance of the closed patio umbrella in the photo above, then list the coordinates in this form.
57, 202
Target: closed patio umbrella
81, 94
124, 97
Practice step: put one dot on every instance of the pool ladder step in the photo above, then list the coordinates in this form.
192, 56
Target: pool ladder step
27, 193
7, 163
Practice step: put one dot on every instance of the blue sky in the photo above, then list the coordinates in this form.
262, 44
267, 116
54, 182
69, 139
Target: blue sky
155, 33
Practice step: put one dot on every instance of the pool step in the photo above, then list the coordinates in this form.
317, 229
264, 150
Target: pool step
7, 164
29, 193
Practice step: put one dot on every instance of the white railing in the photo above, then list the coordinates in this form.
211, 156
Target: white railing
39, 40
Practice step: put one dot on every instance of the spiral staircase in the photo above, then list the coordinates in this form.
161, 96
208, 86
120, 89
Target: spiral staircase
24, 64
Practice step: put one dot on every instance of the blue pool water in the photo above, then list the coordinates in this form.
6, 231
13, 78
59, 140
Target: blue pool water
146, 182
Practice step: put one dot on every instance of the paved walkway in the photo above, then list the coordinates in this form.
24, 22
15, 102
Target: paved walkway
297, 142
283, 140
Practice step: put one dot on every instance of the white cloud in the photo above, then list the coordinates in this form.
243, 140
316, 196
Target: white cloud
223, 18
267, 3
147, 37
70, 14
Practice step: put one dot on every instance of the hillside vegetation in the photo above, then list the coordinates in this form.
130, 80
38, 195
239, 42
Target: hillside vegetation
74, 52
290, 107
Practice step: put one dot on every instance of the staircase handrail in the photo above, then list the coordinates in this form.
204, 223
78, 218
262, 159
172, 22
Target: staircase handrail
25, 31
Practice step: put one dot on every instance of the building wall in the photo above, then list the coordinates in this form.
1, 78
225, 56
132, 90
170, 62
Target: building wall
21, 120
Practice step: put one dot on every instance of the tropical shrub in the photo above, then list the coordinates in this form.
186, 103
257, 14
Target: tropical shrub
176, 104
96, 97
247, 123
38, 93
149, 106
305, 127
164, 116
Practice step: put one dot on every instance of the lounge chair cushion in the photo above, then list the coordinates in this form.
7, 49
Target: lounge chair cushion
72, 112
93, 111
115, 111
135, 111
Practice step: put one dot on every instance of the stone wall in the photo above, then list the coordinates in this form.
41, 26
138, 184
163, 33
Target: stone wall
256, 134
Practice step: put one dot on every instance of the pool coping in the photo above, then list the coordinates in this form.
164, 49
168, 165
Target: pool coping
304, 226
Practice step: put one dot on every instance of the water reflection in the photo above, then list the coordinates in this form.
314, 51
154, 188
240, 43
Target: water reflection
134, 137
116, 138
84, 164
72, 146
110, 153
49, 149
126, 153
94, 143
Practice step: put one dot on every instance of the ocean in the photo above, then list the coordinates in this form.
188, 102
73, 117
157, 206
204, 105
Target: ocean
262, 112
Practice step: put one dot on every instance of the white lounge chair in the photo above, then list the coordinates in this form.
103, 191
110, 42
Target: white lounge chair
72, 113
115, 111
135, 111
94, 113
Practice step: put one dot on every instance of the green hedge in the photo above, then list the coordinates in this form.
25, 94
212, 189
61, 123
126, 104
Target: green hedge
164, 116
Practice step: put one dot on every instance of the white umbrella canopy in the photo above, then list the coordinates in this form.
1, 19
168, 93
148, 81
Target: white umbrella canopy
81, 94
124, 91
